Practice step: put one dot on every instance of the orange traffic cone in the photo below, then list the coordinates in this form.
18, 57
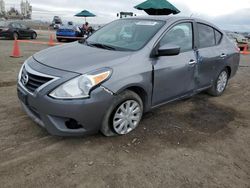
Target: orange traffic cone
51, 40
16, 51
245, 52
245, 49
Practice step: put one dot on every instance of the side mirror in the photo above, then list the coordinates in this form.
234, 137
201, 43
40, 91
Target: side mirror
168, 50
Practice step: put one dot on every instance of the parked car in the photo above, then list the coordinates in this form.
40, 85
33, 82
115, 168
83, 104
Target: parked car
108, 81
240, 39
15, 30
246, 35
56, 23
69, 32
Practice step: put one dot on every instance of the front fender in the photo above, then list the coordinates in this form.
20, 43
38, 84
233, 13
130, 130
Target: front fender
140, 82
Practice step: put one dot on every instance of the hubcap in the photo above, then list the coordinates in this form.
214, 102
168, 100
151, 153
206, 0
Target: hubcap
222, 82
127, 117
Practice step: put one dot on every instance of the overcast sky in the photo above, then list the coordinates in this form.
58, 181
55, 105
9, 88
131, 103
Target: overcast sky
228, 14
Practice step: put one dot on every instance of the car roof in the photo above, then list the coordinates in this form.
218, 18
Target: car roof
174, 19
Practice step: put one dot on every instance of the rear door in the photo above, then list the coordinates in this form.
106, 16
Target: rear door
208, 55
174, 75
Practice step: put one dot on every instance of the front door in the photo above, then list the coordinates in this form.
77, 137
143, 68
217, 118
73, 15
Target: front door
25, 32
174, 76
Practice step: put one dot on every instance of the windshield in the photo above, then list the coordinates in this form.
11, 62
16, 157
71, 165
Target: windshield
128, 34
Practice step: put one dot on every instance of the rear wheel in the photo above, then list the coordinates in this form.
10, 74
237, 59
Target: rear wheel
124, 115
33, 36
220, 84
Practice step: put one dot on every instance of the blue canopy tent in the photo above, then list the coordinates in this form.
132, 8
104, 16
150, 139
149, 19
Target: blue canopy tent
85, 14
157, 7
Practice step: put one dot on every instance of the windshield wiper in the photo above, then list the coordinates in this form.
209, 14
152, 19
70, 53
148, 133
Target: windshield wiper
99, 45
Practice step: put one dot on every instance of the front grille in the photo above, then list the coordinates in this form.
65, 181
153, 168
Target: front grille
31, 81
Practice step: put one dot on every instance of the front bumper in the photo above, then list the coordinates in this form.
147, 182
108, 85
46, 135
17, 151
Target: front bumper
56, 115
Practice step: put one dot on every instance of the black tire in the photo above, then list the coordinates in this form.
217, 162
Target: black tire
214, 89
33, 35
15, 36
59, 40
107, 125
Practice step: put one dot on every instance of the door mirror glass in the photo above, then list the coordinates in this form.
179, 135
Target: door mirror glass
168, 50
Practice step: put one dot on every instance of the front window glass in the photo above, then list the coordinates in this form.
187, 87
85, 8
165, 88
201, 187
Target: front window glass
180, 35
127, 34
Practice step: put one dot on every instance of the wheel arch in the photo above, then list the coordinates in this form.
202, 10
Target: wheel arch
141, 92
34, 32
16, 31
229, 70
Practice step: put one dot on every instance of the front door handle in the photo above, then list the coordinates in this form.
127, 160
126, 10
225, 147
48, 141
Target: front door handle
192, 62
223, 55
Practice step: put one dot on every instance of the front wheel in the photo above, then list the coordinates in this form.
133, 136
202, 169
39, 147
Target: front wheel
220, 84
15, 36
124, 115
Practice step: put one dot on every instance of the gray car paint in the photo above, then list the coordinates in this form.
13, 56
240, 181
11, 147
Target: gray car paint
159, 79
76, 57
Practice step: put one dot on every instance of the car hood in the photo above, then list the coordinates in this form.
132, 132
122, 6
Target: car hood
79, 58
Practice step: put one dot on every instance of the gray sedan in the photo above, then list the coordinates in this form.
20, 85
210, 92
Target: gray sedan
123, 70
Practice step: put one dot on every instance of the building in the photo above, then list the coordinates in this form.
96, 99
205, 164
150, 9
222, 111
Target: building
2, 7
26, 9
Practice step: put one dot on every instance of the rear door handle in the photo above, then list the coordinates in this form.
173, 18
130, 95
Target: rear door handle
192, 62
223, 55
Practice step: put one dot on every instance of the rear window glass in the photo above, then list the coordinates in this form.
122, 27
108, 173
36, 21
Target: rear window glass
206, 36
15, 25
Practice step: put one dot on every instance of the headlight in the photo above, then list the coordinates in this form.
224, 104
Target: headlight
80, 86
